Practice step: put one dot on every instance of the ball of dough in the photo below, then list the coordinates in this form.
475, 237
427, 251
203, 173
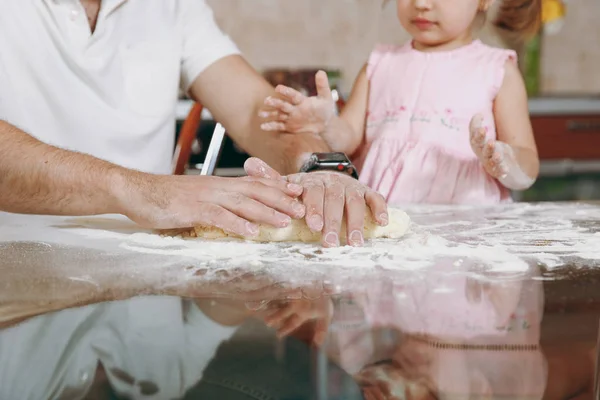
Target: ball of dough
298, 231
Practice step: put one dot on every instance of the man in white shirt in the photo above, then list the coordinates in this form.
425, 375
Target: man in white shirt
101, 77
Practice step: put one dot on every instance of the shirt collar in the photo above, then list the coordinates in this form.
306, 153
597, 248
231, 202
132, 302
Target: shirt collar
106, 6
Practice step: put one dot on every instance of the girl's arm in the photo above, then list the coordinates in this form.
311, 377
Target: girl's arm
513, 126
292, 112
346, 132
512, 158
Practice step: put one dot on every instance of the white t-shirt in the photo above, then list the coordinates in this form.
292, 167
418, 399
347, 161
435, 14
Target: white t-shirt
150, 339
112, 93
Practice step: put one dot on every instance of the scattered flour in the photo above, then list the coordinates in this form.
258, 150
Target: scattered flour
418, 250
504, 239
501, 238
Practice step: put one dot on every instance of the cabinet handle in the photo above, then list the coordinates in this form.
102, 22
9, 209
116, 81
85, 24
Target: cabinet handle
578, 126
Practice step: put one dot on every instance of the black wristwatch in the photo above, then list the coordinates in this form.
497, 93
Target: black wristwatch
330, 162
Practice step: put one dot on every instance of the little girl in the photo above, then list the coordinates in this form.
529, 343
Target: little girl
441, 119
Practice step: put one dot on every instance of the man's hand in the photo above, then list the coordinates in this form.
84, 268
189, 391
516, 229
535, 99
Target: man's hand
326, 195
286, 317
296, 113
235, 205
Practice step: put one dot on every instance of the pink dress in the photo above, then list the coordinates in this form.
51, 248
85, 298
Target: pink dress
416, 147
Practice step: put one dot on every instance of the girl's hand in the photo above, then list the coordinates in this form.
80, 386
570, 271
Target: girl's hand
494, 155
296, 113
498, 158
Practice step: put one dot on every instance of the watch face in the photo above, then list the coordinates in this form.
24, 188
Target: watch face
331, 157
329, 161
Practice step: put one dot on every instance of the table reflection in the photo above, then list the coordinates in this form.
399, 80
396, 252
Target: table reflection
457, 330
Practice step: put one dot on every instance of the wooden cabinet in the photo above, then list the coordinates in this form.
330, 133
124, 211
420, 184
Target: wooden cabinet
575, 137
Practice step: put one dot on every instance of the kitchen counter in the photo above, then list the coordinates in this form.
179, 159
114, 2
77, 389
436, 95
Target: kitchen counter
494, 294
564, 105
90, 251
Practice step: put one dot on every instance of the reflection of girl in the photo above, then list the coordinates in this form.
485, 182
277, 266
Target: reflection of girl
459, 335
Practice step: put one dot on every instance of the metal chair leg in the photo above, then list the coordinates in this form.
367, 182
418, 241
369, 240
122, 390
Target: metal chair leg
214, 151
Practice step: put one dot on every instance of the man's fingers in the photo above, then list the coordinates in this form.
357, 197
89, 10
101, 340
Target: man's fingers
355, 215
280, 313
322, 83
270, 197
280, 105
213, 215
271, 292
333, 211
378, 207
260, 212
291, 95
314, 291
289, 189
314, 197
290, 325
258, 168
265, 186
321, 330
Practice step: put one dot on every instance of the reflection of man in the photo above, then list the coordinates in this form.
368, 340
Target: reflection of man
152, 347
102, 78
157, 347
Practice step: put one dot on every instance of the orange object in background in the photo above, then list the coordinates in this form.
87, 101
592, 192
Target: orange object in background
187, 135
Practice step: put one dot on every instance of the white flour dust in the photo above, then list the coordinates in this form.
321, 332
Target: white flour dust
500, 238
417, 250
552, 234
505, 238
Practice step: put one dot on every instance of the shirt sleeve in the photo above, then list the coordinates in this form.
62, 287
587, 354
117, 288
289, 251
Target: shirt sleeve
203, 41
160, 341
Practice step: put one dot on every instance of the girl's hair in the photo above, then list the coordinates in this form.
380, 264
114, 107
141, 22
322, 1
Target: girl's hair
521, 18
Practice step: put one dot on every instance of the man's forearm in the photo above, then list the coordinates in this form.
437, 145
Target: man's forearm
235, 93
36, 178
286, 152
